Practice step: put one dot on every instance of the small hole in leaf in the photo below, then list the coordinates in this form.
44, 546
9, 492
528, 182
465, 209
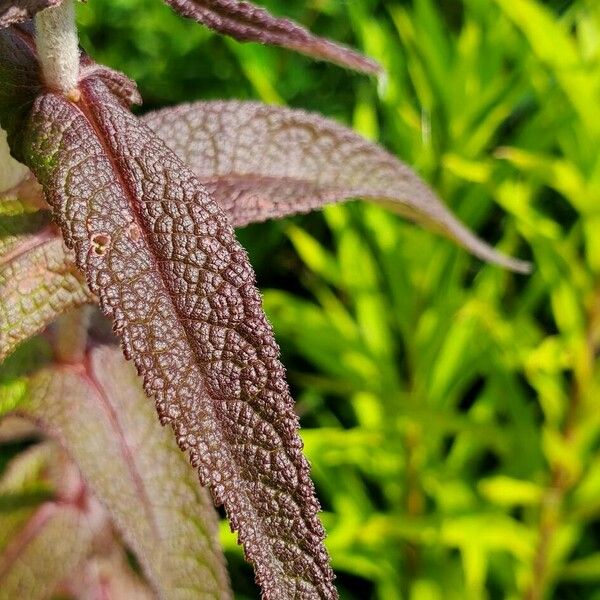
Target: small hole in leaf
100, 242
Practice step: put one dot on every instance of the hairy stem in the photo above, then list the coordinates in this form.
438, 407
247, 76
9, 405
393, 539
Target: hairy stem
71, 334
58, 47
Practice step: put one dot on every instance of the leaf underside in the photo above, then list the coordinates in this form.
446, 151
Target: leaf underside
34, 558
100, 415
261, 162
38, 279
45, 502
246, 22
164, 262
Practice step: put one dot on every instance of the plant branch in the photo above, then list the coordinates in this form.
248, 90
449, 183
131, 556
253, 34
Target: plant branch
562, 481
58, 48
70, 335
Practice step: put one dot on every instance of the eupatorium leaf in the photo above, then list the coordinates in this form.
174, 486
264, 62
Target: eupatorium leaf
164, 261
55, 538
16, 11
262, 162
107, 576
246, 22
100, 415
38, 280
41, 545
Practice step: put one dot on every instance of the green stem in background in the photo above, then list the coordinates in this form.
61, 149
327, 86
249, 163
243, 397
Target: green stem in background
550, 517
70, 335
414, 497
561, 481
58, 48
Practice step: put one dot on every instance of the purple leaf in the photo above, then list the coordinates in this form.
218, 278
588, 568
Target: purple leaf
107, 576
38, 280
246, 22
261, 162
34, 557
64, 543
16, 11
164, 261
100, 415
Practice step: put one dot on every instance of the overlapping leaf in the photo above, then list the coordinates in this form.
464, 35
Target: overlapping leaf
55, 537
165, 264
100, 415
262, 162
107, 575
246, 22
38, 280
34, 557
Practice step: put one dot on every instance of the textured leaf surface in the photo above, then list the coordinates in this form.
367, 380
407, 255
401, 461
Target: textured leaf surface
246, 22
34, 557
164, 261
261, 162
16, 11
38, 280
100, 414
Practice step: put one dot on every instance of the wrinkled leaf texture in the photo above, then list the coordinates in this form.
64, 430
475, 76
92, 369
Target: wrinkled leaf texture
258, 162
261, 162
246, 22
99, 414
164, 262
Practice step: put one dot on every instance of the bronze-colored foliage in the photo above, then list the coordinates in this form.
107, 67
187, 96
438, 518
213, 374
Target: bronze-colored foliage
98, 412
151, 230
38, 279
245, 21
262, 162
163, 260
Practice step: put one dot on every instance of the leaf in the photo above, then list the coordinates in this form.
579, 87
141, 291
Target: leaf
35, 524
38, 280
16, 11
246, 22
552, 42
100, 415
165, 263
34, 557
109, 576
261, 162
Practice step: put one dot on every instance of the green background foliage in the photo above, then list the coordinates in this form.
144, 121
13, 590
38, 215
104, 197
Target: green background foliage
450, 409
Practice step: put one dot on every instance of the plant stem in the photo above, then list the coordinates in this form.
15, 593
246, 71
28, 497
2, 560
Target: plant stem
71, 334
561, 482
58, 47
